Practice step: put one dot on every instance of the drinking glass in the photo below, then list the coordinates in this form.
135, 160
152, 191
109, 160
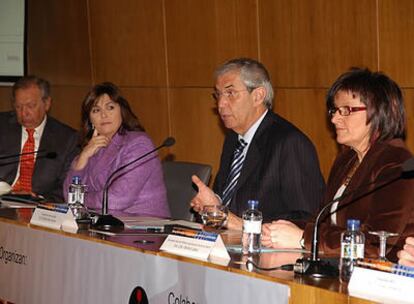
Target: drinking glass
214, 216
383, 235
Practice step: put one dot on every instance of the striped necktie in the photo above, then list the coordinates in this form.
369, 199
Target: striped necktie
24, 183
235, 169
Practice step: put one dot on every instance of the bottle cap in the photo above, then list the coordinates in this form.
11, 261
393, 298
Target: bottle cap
253, 204
353, 224
76, 180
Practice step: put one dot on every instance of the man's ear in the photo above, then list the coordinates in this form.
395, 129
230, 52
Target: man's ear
48, 103
259, 94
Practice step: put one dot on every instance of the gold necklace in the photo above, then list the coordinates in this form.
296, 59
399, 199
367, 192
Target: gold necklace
351, 172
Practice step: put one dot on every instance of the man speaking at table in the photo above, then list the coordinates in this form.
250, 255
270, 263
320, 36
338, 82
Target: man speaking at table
264, 156
28, 129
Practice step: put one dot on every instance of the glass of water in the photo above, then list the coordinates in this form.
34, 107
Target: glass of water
383, 235
214, 216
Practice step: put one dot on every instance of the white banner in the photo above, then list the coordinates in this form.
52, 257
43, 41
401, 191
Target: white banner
45, 267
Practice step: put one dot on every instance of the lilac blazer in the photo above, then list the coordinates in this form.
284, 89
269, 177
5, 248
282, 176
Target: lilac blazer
140, 188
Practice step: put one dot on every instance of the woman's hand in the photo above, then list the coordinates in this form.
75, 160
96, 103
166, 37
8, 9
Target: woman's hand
406, 256
95, 143
281, 234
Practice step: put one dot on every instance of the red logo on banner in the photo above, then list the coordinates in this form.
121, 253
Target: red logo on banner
138, 296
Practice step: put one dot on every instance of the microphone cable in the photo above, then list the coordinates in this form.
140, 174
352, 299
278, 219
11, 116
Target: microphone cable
285, 267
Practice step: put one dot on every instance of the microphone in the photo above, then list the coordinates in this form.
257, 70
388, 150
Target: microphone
314, 266
106, 221
50, 155
20, 154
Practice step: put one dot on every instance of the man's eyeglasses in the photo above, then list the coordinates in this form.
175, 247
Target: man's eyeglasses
229, 94
345, 110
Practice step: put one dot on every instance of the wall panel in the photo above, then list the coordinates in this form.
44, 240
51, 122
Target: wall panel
196, 127
163, 54
66, 104
309, 43
150, 105
127, 42
5, 97
396, 40
306, 109
58, 44
203, 33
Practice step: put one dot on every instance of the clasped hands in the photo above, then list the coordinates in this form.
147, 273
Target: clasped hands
281, 234
406, 255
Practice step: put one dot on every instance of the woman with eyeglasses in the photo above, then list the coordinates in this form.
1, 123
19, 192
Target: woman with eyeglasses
367, 111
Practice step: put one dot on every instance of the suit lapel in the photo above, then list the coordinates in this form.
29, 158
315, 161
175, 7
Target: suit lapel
359, 185
14, 136
47, 138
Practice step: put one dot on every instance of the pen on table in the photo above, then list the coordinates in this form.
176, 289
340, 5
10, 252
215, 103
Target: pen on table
387, 266
154, 230
197, 234
58, 208
184, 232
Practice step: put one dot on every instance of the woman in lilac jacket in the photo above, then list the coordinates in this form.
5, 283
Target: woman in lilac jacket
112, 137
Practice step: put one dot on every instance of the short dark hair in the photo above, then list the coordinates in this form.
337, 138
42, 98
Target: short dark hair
130, 121
252, 73
381, 95
32, 80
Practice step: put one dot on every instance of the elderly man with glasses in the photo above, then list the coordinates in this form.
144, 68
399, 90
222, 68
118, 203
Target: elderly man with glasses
264, 156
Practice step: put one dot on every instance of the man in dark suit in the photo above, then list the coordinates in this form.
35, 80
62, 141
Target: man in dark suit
280, 167
57, 143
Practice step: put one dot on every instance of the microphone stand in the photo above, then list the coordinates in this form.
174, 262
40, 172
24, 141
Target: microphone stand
106, 221
314, 266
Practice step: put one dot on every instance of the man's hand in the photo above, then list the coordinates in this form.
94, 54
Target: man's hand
205, 196
234, 222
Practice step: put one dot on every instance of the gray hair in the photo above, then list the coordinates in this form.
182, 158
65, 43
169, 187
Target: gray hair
29, 81
252, 73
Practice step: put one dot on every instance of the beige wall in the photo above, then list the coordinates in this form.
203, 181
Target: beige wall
163, 52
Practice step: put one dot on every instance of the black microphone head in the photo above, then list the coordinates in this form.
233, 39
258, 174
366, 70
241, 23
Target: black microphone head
408, 166
169, 141
51, 155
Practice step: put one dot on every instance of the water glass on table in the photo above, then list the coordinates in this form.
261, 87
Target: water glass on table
214, 216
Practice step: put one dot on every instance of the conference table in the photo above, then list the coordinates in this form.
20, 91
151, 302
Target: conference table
41, 265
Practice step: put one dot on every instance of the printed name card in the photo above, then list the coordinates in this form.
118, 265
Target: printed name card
54, 217
381, 286
197, 244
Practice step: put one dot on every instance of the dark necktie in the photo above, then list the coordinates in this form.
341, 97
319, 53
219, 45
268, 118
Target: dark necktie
235, 169
24, 183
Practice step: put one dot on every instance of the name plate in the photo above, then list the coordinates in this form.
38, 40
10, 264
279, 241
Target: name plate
201, 245
381, 286
54, 217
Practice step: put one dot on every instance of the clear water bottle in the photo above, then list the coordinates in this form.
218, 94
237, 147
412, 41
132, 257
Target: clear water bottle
76, 192
252, 228
352, 249
76, 198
